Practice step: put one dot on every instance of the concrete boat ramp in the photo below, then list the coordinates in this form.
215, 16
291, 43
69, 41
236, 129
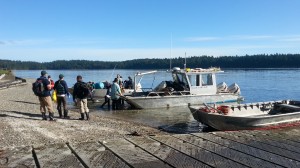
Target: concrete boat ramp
264, 148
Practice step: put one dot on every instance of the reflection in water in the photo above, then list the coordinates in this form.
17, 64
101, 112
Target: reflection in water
175, 120
172, 120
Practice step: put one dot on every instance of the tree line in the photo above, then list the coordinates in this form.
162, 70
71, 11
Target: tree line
247, 61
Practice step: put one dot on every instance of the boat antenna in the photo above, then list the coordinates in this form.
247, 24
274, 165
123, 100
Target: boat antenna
112, 73
184, 66
171, 54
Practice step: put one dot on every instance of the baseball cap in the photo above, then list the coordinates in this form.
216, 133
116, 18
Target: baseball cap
61, 76
43, 73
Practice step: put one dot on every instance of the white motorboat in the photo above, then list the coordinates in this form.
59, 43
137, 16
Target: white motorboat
189, 87
261, 115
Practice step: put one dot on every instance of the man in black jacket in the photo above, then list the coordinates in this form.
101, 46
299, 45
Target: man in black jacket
61, 89
80, 94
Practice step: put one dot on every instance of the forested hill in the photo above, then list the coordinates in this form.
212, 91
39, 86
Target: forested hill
248, 61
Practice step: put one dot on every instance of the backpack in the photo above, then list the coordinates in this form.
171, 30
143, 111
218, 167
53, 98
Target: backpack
82, 90
38, 88
60, 90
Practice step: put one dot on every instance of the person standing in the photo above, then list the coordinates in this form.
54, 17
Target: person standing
115, 94
80, 94
107, 96
61, 89
45, 97
120, 83
128, 84
51, 82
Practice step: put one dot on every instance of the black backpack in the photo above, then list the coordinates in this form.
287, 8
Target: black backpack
38, 88
82, 90
60, 90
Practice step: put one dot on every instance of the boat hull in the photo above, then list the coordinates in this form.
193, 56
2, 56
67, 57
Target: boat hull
230, 123
178, 100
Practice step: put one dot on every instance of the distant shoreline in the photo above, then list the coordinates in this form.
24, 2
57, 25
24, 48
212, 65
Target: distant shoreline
225, 62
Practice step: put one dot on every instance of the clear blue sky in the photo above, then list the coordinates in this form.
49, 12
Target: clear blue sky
114, 30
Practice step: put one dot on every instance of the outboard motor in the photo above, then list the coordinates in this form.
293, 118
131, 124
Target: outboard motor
234, 88
222, 87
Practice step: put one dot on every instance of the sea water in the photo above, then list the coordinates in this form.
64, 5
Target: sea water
257, 85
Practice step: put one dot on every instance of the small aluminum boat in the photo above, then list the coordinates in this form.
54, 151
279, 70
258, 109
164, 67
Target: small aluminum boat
261, 115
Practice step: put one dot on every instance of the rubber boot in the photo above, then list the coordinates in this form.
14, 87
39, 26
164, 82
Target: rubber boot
87, 116
82, 116
66, 114
60, 113
51, 117
102, 105
44, 116
108, 104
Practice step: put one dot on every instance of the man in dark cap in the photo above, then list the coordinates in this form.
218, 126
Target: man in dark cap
61, 89
80, 94
45, 97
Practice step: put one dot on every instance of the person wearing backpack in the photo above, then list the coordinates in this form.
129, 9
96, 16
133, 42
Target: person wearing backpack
80, 94
41, 88
61, 89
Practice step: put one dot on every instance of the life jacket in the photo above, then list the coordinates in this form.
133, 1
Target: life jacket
52, 84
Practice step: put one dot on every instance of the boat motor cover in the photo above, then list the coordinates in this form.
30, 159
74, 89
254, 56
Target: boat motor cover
234, 88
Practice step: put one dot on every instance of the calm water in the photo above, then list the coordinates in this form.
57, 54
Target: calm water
256, 85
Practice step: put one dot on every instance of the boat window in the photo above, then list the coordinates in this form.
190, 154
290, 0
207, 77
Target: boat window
207, 79
194, 80
175, 77
179, 78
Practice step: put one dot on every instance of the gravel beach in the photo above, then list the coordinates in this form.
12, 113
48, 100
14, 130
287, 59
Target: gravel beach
21, 123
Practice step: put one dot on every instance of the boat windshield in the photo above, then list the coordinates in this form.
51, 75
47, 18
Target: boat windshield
180, 79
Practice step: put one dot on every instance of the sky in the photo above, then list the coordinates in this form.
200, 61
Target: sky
117, 30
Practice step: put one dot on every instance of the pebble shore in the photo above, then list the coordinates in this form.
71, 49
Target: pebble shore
21, 123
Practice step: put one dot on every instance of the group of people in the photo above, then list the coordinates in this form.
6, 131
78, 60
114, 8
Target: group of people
81, 92
115, 92
47, 85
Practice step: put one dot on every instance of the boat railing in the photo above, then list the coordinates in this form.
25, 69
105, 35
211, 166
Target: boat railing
263, 105
168, 93
146, 89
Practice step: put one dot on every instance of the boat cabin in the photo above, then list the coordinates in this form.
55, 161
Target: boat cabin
196, 81
187, 82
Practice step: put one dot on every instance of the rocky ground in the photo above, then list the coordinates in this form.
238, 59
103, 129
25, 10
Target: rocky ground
21, 124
